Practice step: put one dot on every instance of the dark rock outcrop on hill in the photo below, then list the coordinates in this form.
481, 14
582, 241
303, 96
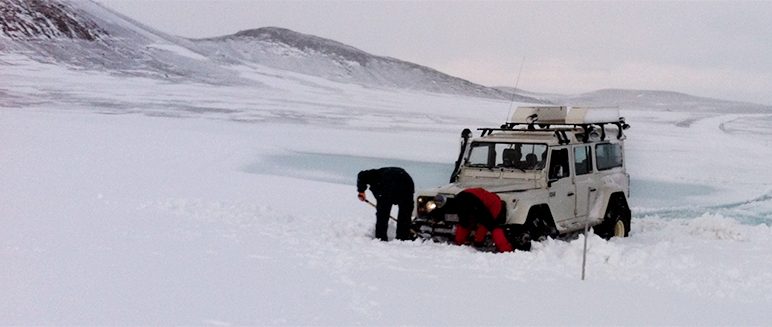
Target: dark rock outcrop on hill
37, 19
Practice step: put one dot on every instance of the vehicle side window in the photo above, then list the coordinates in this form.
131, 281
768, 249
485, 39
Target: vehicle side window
559, 164
582, 160
479, 155
608, 156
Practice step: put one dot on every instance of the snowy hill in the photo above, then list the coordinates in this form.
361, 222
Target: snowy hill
649, 100
289, 50
665, 100
87, 35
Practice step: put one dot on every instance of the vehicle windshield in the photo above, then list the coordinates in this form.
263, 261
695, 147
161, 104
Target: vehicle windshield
523, 156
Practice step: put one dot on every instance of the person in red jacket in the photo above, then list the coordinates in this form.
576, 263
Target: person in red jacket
481, 211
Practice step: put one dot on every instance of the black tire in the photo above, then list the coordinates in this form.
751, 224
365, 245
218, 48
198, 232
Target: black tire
519, 237
539, 224
538, 227
616, 221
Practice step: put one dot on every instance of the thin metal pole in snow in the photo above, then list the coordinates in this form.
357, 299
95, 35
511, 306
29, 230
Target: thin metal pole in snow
584, 253
586, 228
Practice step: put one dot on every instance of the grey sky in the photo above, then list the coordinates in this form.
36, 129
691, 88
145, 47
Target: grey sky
714, 49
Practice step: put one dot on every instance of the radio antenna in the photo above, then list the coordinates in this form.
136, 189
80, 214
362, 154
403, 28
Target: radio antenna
517, 81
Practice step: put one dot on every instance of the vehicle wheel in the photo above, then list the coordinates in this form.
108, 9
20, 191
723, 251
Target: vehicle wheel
522, 242
616, 222
620, 229
540, 229
519, 237
537, 230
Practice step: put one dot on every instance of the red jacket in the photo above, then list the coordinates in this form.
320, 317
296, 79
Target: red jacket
490, 200
493, 204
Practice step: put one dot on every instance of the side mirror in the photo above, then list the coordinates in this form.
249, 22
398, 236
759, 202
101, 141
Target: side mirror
552, 180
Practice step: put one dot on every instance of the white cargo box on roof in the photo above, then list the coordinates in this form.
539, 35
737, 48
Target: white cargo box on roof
546, 115
565, 115
592, 115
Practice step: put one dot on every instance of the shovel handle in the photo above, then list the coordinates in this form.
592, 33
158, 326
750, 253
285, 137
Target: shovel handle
390, 217
373, 205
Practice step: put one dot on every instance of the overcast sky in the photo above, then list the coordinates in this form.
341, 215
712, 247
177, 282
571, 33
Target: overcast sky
714, 49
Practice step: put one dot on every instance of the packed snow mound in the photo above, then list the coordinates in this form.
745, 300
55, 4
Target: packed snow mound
34, 19
312, 55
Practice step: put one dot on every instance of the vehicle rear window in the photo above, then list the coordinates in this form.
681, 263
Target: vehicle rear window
582, 160
608, 156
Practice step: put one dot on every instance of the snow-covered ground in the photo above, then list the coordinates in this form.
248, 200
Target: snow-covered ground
136, 201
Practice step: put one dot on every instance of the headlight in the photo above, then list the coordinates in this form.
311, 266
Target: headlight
430, 205
440, 200
426, 204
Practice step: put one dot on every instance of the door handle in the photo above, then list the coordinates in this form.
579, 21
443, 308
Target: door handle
593, 189
570, 194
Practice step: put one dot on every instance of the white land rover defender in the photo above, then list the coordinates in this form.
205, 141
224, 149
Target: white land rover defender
557, 168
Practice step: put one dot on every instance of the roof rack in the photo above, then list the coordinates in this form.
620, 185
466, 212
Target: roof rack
562, 119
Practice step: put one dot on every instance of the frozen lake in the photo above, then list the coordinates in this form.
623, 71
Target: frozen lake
343, 169
667, 199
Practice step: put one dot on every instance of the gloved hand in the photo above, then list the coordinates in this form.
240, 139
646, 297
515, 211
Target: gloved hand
361, 196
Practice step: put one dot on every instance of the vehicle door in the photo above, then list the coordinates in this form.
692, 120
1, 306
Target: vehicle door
561, 188
585, 180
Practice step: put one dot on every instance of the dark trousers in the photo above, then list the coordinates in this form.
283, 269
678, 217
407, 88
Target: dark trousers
383, 209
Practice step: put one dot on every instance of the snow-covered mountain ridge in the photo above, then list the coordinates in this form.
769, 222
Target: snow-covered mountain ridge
646, 99
302, 42
85, 34
308, 54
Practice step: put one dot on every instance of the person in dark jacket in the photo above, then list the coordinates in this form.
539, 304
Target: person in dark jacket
481, 211
390, 186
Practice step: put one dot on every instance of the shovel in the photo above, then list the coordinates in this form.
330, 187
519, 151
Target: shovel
412, 231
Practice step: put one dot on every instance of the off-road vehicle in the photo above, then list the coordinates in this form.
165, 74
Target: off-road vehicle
558, 169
